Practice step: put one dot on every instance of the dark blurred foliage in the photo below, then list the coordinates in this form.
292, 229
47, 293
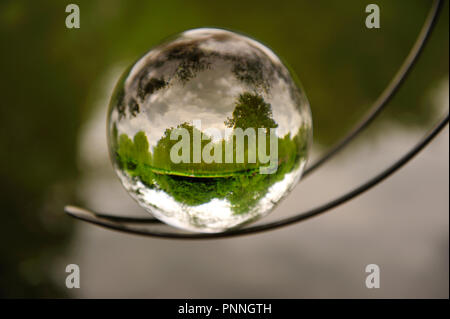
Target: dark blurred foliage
50, 75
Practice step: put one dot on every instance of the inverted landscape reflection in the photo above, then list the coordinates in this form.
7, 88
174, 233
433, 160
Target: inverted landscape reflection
225, 81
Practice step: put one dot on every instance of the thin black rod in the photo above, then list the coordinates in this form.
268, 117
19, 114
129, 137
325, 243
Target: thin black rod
131, 219
376, 108
119, 223
389, 92
90, 217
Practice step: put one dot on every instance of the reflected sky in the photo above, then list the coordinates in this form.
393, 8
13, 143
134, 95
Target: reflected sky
204, 71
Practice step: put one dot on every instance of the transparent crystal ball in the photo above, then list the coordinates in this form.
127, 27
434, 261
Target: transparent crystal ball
215, 85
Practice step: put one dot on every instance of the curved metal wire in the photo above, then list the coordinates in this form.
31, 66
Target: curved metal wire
389, 92
120, 223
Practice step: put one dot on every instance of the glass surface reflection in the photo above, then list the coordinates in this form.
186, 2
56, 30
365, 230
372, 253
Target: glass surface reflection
207, 81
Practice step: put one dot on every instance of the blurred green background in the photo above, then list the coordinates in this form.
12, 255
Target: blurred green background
51, 76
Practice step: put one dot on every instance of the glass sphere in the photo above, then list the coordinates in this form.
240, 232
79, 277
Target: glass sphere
209, 130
